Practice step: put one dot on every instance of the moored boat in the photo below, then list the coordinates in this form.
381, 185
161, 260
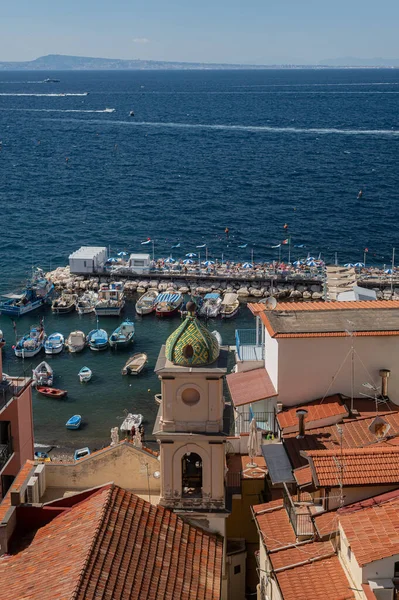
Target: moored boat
38, 291
51, 392
54, 344
42, 457
217, 336
130, 421
123, 335
65, 303
97, 339
85, 374
230, 305
31, 343
74, 422
76, 341
211, 306
81, 453
86, 304
145, 305
168, 304
135, 364
111, 299
43, 374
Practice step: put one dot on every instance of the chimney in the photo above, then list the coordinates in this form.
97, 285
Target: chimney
301, 414
384, 374
279, 407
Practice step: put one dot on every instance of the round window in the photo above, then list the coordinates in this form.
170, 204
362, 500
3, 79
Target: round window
188, 351
190, 396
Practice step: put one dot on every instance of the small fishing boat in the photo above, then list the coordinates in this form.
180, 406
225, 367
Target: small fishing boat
50, 80
74, 422
135, 364
168, 304
130, 421
123, 335
158, 398
81, 453
31, 343
43, 374
66, 303
211, 306
97, 339
111, 299
54, 343
76, 341
42, 457
85, 374
146, 303
230, 305
131, 114
217, 336
87, 303
51, 392
38, 291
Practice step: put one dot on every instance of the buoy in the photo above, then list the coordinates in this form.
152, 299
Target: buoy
148, 390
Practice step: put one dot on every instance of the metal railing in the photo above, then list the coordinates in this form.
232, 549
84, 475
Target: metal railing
248, 346
6, 451
301, 521
264, 420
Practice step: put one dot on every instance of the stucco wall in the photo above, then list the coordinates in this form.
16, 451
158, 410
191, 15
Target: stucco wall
19, 413
307, 366
125, 465
271, 359
348, 559
356, 493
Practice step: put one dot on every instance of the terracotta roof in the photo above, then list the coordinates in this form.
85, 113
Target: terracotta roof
326, 523
332, 406
303, 476
112, 546
300, 553
355, 434
372, 530
260, 307
238, 463
274, 523
356, 466
250, 386
16, 486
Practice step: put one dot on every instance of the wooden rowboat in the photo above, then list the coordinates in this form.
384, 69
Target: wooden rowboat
51, 392
135, 364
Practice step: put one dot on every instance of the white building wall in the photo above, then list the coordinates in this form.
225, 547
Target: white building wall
380, 569
348, 560
307, 366
355, 494
272, 358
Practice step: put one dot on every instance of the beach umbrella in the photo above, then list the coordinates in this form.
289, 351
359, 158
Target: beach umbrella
349, 265
170, 260
310, 258
388, 271
208, 263
247, 266
359, 265
112, 260
122, 253
188, 261
253, 442
298, 263
311, 263
191, 255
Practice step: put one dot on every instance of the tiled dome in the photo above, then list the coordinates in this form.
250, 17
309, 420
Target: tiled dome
192, 345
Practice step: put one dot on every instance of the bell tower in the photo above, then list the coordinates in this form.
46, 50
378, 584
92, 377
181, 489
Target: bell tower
189, 424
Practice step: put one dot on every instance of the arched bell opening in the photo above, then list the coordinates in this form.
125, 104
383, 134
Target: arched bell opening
191, 475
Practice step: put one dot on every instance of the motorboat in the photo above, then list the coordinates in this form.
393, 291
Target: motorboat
31, 343
74, 422
50, 80
146, 303
217, 335
76, 341
87, 303
43, 374
123, 335
135, 364
167, 304
97, 339
66, 303
38, 291
81, 453
42, 457
130, 421
230, 305
158, 398
211, 306
54, 343
85, 374
51, 392
131, 114
111, 299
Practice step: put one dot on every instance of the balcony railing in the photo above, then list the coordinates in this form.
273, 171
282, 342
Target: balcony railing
249, 345
264, 420
299, 516
6, 451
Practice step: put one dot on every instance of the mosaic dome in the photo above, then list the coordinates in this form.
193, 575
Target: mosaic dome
192, 345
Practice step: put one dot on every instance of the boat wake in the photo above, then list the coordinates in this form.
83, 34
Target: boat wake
61, 95
43, 445
59, 110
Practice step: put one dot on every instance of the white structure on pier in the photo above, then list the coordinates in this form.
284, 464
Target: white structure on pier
140, 263
88, 259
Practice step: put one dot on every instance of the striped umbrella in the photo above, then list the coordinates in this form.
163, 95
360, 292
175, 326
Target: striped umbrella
191, 255
170, 260
112, 260
311, 263
208, 263
360, 265
388, 271
247, 266
188, 261
122, 253
298, 263
349, 265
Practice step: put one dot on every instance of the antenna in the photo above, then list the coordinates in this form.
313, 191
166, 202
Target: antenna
340, 466
271, 303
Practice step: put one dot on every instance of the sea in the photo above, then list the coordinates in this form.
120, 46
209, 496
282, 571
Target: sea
253, 151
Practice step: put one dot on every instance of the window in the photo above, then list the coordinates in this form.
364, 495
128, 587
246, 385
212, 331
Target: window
139, 263
191, 475
396, 570
84, 263
237, 569
349, 553
188, 351
190, 396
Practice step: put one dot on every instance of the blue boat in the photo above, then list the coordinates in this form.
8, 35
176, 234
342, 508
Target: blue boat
81, 453
37, 292
123, 335
97, 339
74, 422
31, 343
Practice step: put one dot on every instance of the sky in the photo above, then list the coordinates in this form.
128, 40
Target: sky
229, 31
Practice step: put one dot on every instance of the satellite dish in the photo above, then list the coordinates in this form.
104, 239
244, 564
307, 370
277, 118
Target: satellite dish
271, 303
379, 427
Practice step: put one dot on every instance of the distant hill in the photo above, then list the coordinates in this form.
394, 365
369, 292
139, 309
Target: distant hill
350, 61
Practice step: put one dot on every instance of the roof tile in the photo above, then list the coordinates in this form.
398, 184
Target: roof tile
250, 386
332, 406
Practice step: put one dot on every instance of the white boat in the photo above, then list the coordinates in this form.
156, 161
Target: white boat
123, 335
65, 303
97, 339
38, 291
130, 421
43, 374
111, 299
31, 343
76, 341
135, 364
230, 305
146, 303
54, 343
85, 374
211, 306
87, 303
158, 398
217, 336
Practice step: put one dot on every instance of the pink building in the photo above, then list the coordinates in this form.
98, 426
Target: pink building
16, 426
